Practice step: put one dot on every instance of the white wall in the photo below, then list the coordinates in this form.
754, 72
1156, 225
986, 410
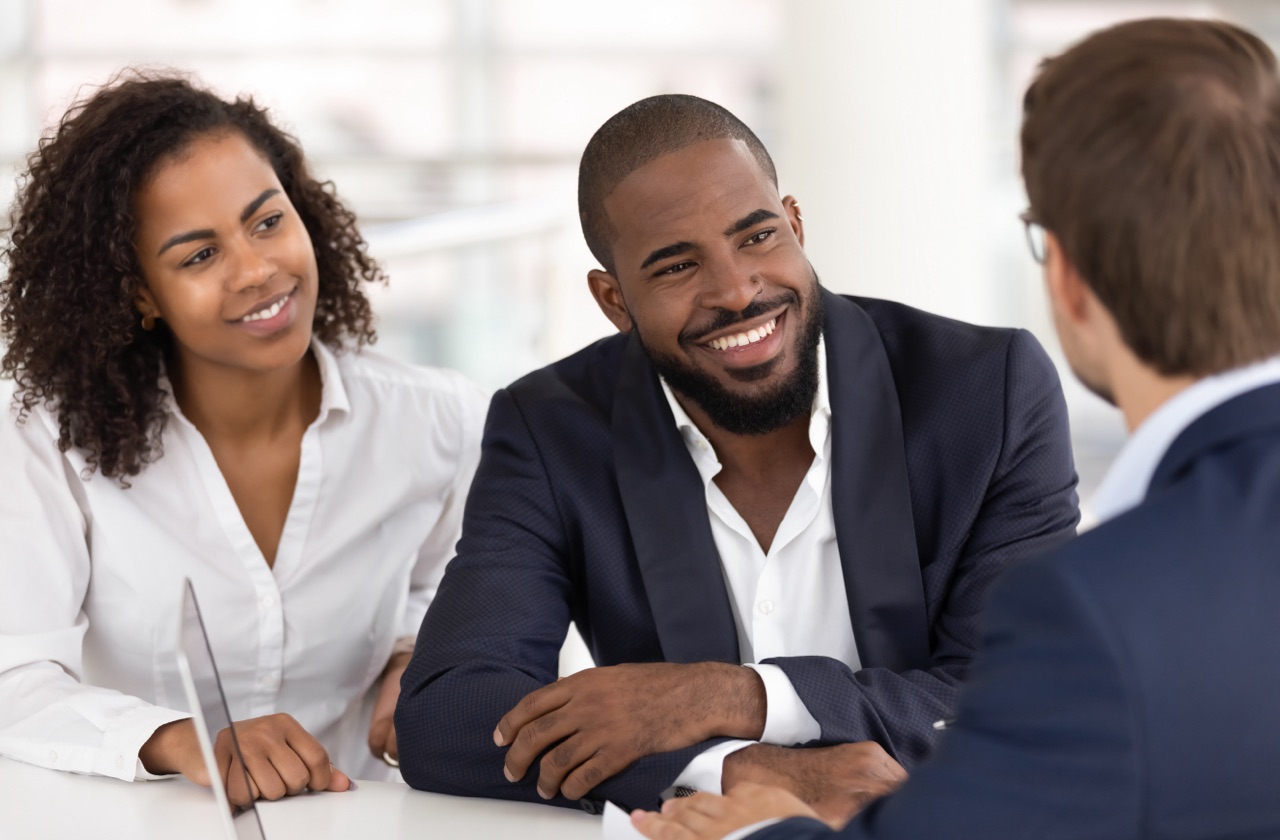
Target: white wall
886, 112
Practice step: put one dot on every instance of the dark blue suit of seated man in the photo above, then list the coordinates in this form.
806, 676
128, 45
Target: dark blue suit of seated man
753, 472
1127, 682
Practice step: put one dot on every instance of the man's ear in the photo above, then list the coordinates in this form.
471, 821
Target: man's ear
794, 218
608, 294
1068, 292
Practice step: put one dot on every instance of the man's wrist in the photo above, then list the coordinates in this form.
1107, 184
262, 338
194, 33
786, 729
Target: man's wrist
756, 763
744, 703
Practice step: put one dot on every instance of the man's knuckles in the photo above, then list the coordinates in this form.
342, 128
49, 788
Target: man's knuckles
583, 780
528, 740
561, 758
529, 707
543, 724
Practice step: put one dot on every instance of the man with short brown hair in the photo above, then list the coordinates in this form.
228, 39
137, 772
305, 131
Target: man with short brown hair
1127, 682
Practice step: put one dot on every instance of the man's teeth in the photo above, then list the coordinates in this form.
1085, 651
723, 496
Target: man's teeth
270, 312
748, 337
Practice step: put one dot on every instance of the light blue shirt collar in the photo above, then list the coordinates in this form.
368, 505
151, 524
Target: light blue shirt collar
1126, 482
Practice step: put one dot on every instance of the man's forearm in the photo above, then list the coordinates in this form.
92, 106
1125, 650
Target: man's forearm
742, 701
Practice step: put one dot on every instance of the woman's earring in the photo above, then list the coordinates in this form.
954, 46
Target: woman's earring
148, 322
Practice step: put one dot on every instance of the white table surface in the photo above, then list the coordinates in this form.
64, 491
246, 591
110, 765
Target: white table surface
36, 803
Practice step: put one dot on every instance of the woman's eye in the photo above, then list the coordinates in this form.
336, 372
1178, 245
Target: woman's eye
270, 222
199, 256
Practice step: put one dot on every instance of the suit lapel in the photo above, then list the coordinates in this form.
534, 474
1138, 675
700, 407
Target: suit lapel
666, 511
1250, 413
871, 499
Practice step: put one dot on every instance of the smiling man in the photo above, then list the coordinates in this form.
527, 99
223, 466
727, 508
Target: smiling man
1127, 682
773, 512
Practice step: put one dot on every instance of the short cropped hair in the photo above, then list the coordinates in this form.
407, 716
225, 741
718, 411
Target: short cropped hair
1152, 151
642, 132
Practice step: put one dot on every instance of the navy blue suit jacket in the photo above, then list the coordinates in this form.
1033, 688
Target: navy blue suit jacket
950, 458
1128, 683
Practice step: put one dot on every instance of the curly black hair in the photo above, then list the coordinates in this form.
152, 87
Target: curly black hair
67, 306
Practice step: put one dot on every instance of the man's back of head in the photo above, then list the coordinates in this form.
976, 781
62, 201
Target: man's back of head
1152, 152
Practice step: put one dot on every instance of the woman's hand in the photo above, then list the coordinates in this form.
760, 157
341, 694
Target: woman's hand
382, 728
281, 758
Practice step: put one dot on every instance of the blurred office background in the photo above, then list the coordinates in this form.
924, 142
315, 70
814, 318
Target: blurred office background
454, 128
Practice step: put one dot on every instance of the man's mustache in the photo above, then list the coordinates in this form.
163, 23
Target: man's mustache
726, 318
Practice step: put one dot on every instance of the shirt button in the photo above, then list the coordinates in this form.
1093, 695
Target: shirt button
270, 678
766, 607
119, 761
268, 601
53, 756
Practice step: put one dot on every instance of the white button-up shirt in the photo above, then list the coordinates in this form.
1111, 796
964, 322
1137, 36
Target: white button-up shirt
788, 601
90, 572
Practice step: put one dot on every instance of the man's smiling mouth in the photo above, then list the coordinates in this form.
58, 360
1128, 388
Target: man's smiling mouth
751, 336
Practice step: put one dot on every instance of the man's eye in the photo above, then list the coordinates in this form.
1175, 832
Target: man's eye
760, 236
199, 256
674, 269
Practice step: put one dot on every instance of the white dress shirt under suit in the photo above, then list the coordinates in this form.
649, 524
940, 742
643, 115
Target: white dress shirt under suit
789, 601
91, 572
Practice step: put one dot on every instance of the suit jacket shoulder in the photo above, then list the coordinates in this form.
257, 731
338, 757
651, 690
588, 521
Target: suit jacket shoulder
589, 376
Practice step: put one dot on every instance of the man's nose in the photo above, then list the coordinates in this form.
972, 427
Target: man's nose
730, 286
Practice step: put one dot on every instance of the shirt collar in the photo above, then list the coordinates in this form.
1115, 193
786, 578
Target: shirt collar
333, 394
704, 454
1126, 482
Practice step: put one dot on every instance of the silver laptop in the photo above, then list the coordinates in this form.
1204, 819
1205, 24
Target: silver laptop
208, 707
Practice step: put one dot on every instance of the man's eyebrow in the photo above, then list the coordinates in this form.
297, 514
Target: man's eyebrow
207, 233
668, 251
750, 220
252, 206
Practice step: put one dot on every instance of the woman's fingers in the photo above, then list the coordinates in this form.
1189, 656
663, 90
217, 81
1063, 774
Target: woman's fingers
281, 759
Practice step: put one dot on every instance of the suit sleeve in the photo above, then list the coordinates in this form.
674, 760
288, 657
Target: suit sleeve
1028, 508
494, 632
1043, 746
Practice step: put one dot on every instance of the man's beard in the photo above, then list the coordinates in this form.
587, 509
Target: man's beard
760, 413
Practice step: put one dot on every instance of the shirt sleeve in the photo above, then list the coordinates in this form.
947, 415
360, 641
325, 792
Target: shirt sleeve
48, 717
441, 543
706, 770
787, 720
787, 723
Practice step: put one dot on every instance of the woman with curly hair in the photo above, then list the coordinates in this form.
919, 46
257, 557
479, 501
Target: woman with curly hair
185, 324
